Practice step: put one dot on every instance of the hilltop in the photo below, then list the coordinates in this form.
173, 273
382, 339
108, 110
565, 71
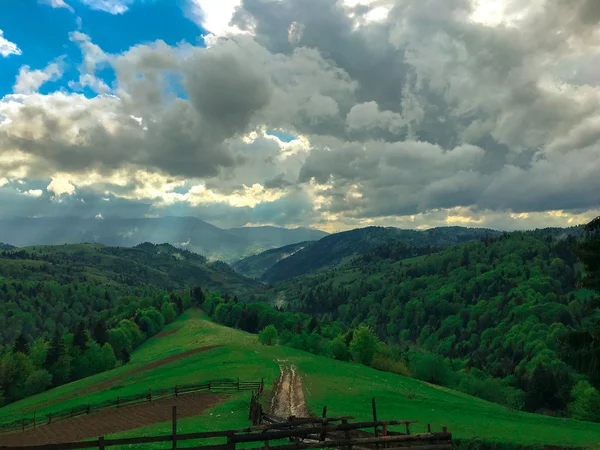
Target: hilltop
346, 388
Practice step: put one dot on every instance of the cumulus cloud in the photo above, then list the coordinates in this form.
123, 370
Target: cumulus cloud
29, 81
8, 48
409, 113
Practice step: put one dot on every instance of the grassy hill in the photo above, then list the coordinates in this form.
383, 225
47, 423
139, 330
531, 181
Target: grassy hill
345, 388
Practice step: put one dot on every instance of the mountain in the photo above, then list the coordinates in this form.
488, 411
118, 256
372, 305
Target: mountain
267, 237
4, 246
333, 248
255, 265
185, 232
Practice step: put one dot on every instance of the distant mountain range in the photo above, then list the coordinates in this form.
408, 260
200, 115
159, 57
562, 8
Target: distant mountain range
184, 232
332, 249
308, 257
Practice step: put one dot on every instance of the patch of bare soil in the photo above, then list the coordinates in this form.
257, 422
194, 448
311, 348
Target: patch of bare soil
167, 333
113, 381
288, 398
113, 420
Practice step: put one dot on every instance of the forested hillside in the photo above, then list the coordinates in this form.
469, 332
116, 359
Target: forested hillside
67, 312
255, 265
502, 305
335, 247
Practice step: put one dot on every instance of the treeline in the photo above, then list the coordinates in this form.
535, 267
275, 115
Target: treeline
361, 344
500, 308
100, 342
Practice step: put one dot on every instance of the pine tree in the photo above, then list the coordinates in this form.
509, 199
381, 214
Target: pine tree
80, 338
100, 332
21, 344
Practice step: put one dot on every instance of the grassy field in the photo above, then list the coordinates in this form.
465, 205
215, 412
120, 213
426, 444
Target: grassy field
344, 387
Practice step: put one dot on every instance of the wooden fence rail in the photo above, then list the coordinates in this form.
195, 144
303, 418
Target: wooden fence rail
303, 433
210, 386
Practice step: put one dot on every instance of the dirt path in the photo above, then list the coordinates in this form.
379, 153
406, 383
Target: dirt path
114, 381
113, 420
288, 398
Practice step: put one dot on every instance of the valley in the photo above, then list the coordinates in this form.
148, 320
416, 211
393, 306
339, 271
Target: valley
484, 333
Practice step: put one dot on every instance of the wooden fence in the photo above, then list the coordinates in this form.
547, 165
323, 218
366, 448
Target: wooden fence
224, 385
301, 433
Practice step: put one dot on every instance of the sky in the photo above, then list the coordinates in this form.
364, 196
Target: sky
332, 114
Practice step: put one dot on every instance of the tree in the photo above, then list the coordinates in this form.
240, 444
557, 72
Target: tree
268, 336
364, 345
38, 351
21, 344
168, 312
80, 337
586, 402
38, 381
338, 349
108, 358
100, 332
434, 369
589, 253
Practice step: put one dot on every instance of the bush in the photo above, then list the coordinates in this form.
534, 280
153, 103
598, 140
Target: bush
338, 349
268, 336
434, 369
364, 345
400, 368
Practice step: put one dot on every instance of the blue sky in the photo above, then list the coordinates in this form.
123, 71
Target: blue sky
41, 33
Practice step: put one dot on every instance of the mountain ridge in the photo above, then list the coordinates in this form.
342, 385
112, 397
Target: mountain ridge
186, 232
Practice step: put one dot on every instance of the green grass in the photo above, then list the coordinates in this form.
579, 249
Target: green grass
344, 387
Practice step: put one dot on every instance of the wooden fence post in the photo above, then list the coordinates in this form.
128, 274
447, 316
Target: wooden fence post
50, 418
118, 401
374, 416
174, 426
150, 395
407, 428
88, 408
324, 422
34, 424
444, 429
23, 424
347, 433
429, 428
101, 443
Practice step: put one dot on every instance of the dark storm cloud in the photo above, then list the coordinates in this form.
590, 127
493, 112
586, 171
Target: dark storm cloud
422, 111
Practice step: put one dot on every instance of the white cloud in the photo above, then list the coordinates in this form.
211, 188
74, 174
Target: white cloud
33, 193
214, 16
60, 186
8, 48
109, 6
57, 4
29, 81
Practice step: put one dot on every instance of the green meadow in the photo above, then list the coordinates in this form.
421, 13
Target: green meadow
345, 388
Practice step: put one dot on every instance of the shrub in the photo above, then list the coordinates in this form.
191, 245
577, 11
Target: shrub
268, 336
